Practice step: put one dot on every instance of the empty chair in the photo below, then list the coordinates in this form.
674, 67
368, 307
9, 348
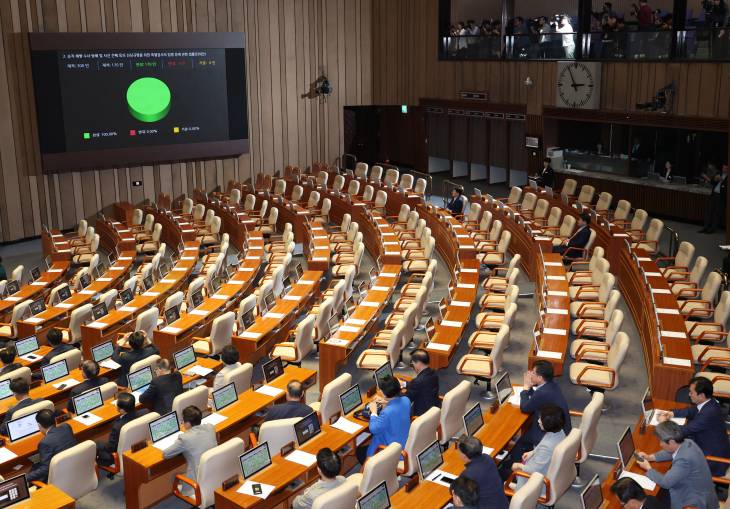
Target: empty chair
294, 352
235, 197
603, 204
313, 200
420, 187
382, 466
528, 205
148, 247
361, 170
376, 173
79, 316
484, 367
73, 471
515, 194
20, 310
585, 197
296, 194
280, 187
372, 358
381, 199
635, 227
322, 178
678, 265
353, 188
329, 403
391, 177
278, 433
604, 334
220, 335
338, 184
598, 377
703, 306
569, 187
269, 226
323, 214
589, 429
424, 430
496, 256
406, 181
621, 213
453, 408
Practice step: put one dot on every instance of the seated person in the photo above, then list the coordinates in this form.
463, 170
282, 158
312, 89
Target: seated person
165, 385
55, 339
90, 371
578, 240
229, 356
465, 492
632, 496
328, 467
195, 439
546, 176
423, 390
7, 356
141, 348
55, 439
127, 413
456, 202
20, 389
480, 467
292, 407
392, 423
705, 423
551, 421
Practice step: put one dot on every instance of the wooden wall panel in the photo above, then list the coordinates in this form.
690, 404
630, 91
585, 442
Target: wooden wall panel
289, 43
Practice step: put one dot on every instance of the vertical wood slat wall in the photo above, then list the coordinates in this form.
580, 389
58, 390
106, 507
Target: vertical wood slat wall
289, 43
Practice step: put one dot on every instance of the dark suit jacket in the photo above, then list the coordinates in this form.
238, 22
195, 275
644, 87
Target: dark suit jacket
83, 387
533, 400
58, 439
162, 391
287, 410
111, 445
423, 391
580, 238
56, 350
483, 471
126, 358
707, 428
10, 367
456, 205
9, 414
546, 177
653, 503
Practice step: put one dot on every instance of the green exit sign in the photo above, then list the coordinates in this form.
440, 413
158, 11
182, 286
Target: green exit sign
404, 108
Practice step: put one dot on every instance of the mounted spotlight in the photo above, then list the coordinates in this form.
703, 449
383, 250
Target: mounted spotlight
322, 87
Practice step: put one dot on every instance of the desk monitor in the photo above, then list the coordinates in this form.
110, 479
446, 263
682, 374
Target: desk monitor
269, 300
299, 271
163, 269
164, 426
504, 388
306, 428
99, 311
647, 405
102, 351
273, 369
54, 371
112, 258
126, 295
140, 379
350, 399
172, 314
592, 496
37, 306
287, 283
473, 420
430, 459
626, 448
85, 280
35, 273
63, 293
148, 282
334, 323
22, 427
197, 298
215, 285
376, 498
255, 460
248, 319
184, 358
26, 346
224, 396
100, 269
12, 287
383, 371
88, 401
5, 391
13, 491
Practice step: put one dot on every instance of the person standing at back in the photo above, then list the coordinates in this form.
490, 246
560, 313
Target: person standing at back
423, 391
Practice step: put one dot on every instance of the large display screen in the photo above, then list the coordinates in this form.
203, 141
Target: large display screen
106, 100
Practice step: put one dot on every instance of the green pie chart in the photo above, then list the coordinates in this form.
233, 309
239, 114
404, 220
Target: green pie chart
148, 99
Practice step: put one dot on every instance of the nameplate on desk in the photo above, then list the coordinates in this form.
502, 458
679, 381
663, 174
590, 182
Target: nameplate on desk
57, 236
168, 281
673, 334
128, 309
97, 325
468, 271
269, 391
252, 258
389, 243
337, 342
348, 328
104, 279
554, 311
319, 259
438, 346
461, 303
64, 250
306, 281
199, 312
319, 237
554, 332
246, 269
39, 283
151, 294
250, 335
124, 258
380, 288
555, 278
179, 269
557, 293
34, 319
69, 382
462, 236
295, 298
673, 361
620, 234
661, 290
87, 292
64, 305
55, 270
643, 258
171, 330
218, 296
542, 237
465, 285
275, 316
387, 274
317, 228
549, 355
188, 230
369, 304
653, 274
449, 323
667, 311
188, 258
553, 264
355, 321
123, 231
116, 269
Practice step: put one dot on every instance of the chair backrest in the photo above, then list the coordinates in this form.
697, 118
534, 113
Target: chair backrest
303, 337
586, 194
79, 317
349, 280
406, 181
246, 305
109, 298
280, 186
639, 219
108, 390
322, 178
147, 321
698, 270
196, 285
589, 425
19, 312
424, 430
267, 287
569, 187
361, 170
297, 192
353, 187
566, 229
382, 466
81, 230
541, 209
526, 497
329, 402
367, 194
376, 173
323, 315
528, 202
453, 408
504, 241
391, 176
198, 212
405, 209
654, 233
712, 286
278, 433
486, 221
381, 199
604, 201
197, 397
617, 354
150, 361
24, 373
345, 224
53, 297
395, 342
338, 183
474, 210
72, 358
235, 197
174, 300
608, 281
215, 466
273, 218
554, 218
326, 206
187, 206
500, 343
156, 232
722, 310
685, 253
341, 497
241, 377
420, 187
561, 472
73, 471
614, 325
313, 200
221, 332
134, 431
623, 207
35, 407
514, 195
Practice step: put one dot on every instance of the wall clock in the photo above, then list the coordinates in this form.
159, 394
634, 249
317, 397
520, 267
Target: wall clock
578, 85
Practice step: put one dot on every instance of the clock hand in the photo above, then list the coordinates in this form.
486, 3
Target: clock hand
571, 77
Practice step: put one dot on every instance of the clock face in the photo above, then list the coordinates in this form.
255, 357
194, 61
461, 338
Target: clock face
576, 85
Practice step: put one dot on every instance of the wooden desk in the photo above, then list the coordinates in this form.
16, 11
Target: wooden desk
148, 476
55, 245
115, 235
396, 198
36, 289
47, 497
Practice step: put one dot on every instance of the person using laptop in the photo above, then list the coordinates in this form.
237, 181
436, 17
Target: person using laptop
705, 423
127, 413
328, 467
140, 349
164, 387
90, 372
292, 407
389, 424
480, 467
688, 480
551, 422
20, 389
465, 492
632, 496
55, 339
7, 356
423, 391
55, 439
195, 439
229, 356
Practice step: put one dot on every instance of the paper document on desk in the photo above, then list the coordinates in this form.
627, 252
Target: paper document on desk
199, 312
546, 354
88, 419
361, 438
166, 442
303, 458
347, 426
673, 361
69, 382
214, 419
199, 370
247, 489
556, 311
673, 334
64, 305
109, 364
643, 480
269, 391
6, 454
515, 398
655, 418
437, 476
438, 346
487, 450
667, 311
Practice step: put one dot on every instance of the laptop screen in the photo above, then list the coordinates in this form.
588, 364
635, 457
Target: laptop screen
26, 346
35, 273
164, 426
273, 369
626, 447
102, 351
299, 270
473, 420
592, 496
504, 388
88, 401
22, 427
269, 299
350, 399
54, 371
224, 396
307, 428
5, 391
140, 378
148, 282
13, 491
430, 459
248, 319
37, 306
85, 280
126, 295
184, 357
99, 311
197, 298
376, 498
64, 293
255, 460
383, 371
12, 287
172, 314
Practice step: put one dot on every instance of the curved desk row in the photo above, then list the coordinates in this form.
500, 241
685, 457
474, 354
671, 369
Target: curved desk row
36, 289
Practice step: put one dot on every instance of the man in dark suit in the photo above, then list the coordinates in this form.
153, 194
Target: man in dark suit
163, 389
125, 405
456, 203
55, 339
90, 370
546, 177
716, 205
20, 389
465, 492
705, 423
633, 496
55, 439
140, 349
480, 467
423, 391
293, 407
7, 355
573, 246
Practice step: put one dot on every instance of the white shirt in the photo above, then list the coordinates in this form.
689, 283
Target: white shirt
218, 381
699, 407
462, 39
567, 31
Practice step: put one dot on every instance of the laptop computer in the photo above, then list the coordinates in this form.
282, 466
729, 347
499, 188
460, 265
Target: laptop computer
54, 371
63, 293
196, 299
473, 420
350, 399
172, 315
102, 354
376, 498
37, 306
269, 300
148, 282
35, 273
255, 460
224, 397
12, 287
592, 496
13, 491
100, 269
247, 319
84, 281
184, 358
383, 371
24, 348
273, 369
5, 391
215, 285
22, 427
164, 430
87, 401
429, 460
99, 311
126, 295
307, 428
139, 380
626, 447
503, 388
